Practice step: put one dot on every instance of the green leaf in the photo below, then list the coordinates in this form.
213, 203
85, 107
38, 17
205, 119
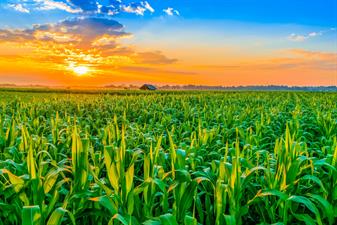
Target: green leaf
186, 199
327, 207
230, 220
168, 219
152, 222
118, 217
305, 201
31, 215
107, 203
308, 220
56, 217
188, 220
315, 180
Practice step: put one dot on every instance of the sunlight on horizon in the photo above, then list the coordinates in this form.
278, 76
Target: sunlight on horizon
81, 70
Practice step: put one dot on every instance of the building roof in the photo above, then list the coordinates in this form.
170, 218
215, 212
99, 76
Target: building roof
148, 87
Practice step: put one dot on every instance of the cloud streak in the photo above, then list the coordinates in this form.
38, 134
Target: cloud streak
51, 5
303, 37
19, 8
292, 59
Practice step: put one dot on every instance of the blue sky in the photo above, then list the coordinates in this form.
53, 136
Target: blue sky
305, 12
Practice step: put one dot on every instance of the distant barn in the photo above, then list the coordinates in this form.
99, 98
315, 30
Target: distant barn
148, 87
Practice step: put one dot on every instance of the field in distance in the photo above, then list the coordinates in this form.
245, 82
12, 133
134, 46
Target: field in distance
187, 158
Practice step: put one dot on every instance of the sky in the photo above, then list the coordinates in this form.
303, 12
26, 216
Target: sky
199, 42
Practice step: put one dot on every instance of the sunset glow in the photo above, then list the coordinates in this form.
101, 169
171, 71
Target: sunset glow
225, 43
80, 70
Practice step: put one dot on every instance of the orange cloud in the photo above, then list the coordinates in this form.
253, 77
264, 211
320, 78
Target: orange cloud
90, 42
293, 58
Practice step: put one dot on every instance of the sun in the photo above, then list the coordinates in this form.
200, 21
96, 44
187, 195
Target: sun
80, 70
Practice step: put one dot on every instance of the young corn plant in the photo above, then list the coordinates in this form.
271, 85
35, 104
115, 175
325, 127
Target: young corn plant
189, 158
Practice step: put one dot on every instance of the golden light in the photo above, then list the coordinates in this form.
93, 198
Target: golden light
80, 70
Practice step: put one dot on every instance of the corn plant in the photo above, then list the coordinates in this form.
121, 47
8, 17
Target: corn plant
168, 158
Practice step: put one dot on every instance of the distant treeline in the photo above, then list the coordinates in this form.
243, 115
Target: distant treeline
251, 88
115, 89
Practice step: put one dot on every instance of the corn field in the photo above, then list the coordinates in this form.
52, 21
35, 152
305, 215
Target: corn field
168, 158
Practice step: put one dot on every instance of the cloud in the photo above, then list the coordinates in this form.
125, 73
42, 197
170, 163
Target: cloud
56, 37
312, 59
148, 6
111, 7
295, 37
290, 59
314, 34
89, 41
9, 35
151, 70
137, 8
85, 7
83, 30
301, 38
50, 5
317, 55
155, 57
90, 27
108, 40
19, 8
171, 12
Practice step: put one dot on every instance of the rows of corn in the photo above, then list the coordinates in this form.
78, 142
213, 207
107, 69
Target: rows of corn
182, 158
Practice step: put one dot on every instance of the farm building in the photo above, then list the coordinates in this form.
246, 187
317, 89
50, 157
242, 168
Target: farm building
148, 87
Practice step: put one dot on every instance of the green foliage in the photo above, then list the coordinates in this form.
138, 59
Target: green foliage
171, 158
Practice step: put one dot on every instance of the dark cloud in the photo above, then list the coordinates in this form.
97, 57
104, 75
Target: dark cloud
83, 31
93, 26
16, 35
83, 39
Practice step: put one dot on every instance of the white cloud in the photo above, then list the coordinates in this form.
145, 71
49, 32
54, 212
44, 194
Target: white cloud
137, 10
148, 6
170, 11
92, 7
315, 34
49, 5
19, 8
301, 38
296, 37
